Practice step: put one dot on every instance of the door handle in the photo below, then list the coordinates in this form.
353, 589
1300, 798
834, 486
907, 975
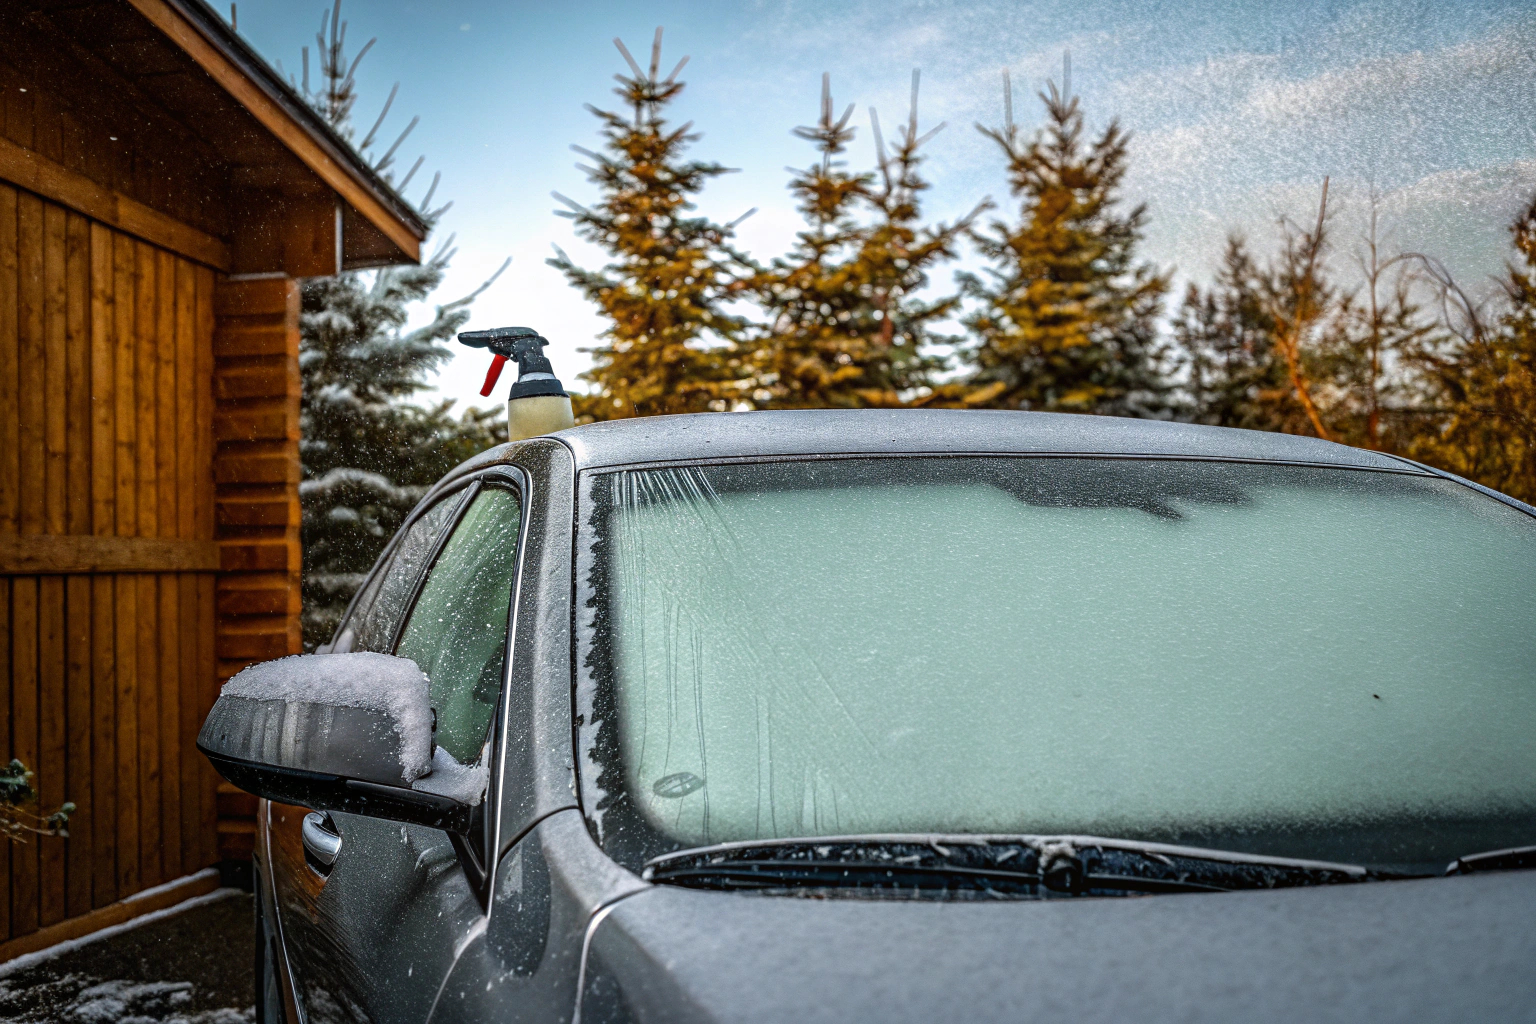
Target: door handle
321, 843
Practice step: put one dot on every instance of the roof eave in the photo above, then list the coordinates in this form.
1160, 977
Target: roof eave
203, 35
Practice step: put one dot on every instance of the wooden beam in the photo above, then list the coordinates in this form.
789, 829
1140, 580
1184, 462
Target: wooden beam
279, 122
43, 177
147, 902
46, 555
299, 235
256, 468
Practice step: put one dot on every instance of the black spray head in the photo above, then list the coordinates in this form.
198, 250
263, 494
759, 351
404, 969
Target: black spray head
524, 345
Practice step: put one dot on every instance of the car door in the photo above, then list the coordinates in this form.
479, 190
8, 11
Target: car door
370, 937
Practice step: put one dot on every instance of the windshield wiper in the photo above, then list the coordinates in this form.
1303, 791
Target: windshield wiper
1513, 859
1004, 866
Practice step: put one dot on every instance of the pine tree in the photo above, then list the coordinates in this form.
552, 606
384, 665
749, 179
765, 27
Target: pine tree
1067, 317
845, 326
1284, 347
1482, 378
671, 347
367, 452
1367, 398
1226, 337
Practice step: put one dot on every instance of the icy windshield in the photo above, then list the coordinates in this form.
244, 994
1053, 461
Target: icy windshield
1291, 660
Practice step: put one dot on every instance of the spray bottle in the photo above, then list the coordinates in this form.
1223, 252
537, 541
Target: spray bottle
538, 403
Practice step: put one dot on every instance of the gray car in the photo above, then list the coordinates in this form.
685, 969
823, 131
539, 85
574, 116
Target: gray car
910, 716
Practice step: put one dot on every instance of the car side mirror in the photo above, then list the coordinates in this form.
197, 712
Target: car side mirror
333, 732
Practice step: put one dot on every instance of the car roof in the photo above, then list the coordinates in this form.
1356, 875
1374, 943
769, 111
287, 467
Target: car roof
709, 436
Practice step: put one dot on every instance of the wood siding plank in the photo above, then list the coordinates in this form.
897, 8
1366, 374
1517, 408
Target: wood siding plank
125, 588
51, 768
189, 473
77, 590
32, 355
202, 327
102, 810
77, 693
77, 342
10, 487
206, 678
146, 601
5, 738
125, 598
55, 370
103, 386
170, 724
24, 895
103, 807
166, 394
188, 723
166, 397
10, 367
188, 486
147, 606
146, 375
208, 825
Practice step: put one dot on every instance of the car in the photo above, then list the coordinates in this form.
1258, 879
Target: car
909, 715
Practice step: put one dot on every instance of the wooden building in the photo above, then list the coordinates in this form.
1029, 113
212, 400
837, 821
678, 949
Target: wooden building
160, 191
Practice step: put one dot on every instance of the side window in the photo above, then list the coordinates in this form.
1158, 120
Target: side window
457, 631
372, 623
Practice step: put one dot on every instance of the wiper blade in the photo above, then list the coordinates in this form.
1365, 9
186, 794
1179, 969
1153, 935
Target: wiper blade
1513, 859
1007, 866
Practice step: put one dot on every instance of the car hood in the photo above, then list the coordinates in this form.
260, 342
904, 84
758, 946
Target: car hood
1426, 950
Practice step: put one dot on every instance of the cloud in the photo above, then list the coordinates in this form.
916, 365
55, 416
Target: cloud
1443, 136
1250, 117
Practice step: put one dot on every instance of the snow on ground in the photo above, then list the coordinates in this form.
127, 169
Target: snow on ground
192, 967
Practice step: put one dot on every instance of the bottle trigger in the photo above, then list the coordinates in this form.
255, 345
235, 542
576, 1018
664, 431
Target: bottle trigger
492, 375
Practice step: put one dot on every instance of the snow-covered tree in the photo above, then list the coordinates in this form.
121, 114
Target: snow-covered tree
368, 451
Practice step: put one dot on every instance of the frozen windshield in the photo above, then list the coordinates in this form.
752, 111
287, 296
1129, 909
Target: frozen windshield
1291, 660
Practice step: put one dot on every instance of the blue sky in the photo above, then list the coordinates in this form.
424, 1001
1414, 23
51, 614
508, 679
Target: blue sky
1237, 112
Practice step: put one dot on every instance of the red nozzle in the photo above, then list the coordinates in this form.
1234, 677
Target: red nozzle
492, 375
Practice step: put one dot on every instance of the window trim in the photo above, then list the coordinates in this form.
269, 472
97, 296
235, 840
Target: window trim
471, 489
522, 482
387, 557
476, 851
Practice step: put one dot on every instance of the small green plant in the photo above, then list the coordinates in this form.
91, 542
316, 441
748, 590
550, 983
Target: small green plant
17, 802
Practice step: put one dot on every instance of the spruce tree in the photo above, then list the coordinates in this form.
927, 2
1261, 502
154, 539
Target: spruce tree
1066, 316
1481, 379
1368, 397
845, 327
670, 346
367, 451
1283, 346
1226, 337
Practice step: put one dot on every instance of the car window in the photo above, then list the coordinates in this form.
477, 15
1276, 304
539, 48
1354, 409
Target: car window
1334, 664
457, 632
372, 624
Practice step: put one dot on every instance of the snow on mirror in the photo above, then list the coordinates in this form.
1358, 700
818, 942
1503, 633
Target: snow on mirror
359, 715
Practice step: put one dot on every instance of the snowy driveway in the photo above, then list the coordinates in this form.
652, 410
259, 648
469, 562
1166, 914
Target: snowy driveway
190, 966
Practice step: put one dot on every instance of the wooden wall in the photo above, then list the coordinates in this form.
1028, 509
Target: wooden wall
256, 469
107, 596
60, 102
